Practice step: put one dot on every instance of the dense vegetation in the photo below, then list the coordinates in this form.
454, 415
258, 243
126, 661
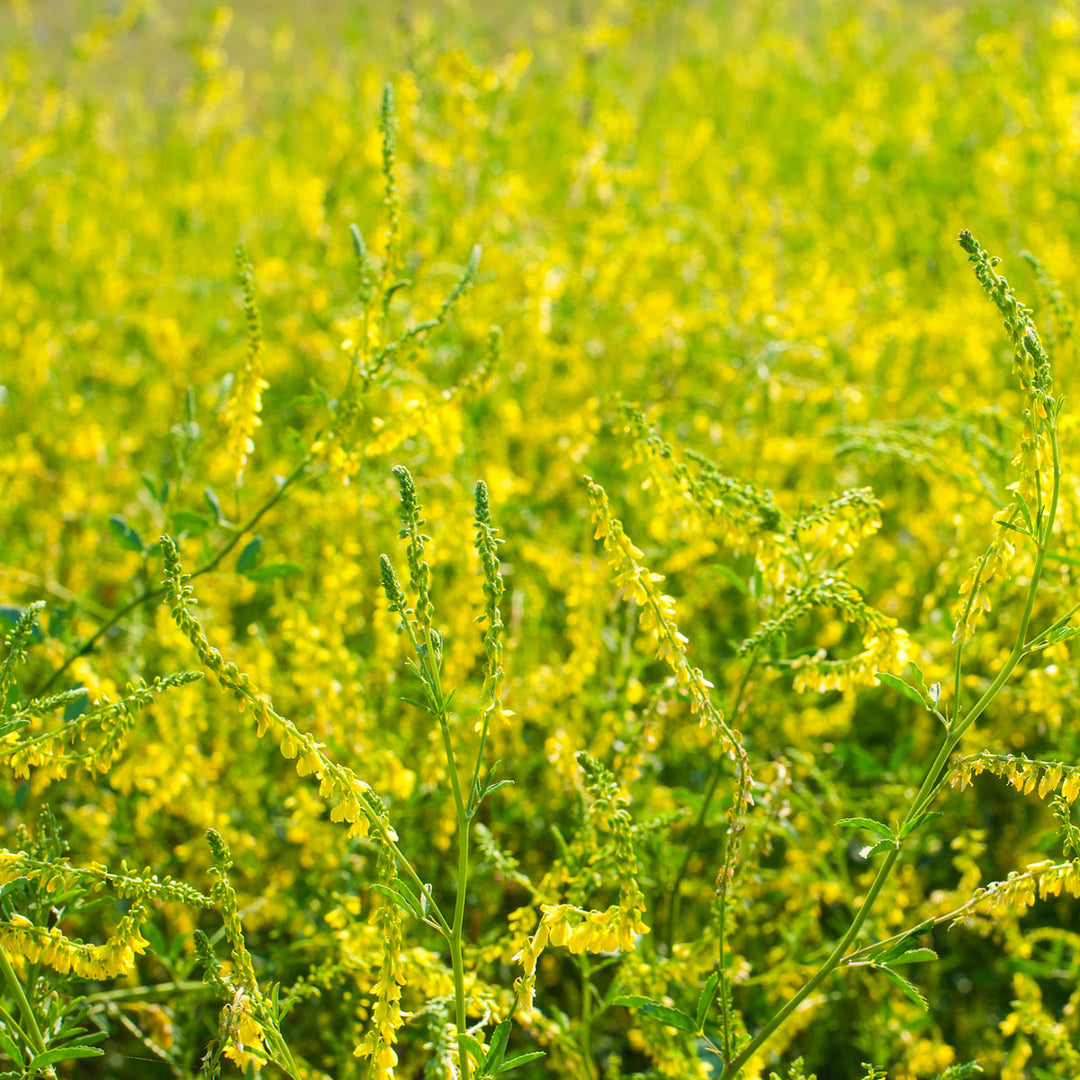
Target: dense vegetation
526, 542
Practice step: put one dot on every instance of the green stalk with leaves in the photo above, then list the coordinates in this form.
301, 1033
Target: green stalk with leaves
1039, 449
416, 622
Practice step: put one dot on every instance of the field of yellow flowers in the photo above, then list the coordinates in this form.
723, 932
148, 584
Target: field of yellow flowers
529, 548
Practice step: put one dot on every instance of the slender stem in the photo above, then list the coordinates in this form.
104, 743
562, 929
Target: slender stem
925, 794
149, 595
699, 824
963, 623
969, 904
37, 1042
585, 1040
1056, 625
823, 972
721, 966
11, 1024
430, 661
284, 1054
141, 993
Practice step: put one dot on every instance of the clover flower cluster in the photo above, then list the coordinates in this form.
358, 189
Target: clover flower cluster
17, 645
352, 796
737, 513
391, 203
378, 1043
841, 523
92, 741
245, 402
885, 645
48, 876
487, 546
249, 1020
783, 547
1022, 888
1026, 775
657, 619
1035, 461
419, 572
49, 946
614, 929
581, 931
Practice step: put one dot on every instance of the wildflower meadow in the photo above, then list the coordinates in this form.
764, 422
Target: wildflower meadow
538, 540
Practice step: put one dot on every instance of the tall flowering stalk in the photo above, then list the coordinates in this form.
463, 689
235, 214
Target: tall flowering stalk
416, 622
1032, 515
250, 1020
245, 402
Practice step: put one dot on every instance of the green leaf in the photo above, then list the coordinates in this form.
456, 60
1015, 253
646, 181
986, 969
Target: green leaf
908, 988
873, 849
676, 1018
158, 496
215, 505
1025, 511
406, 903
189, 523
900, 686
10, 1047
476, 1051
262, 574
521, 1059
867, 823
62, 1053
915, 822
918, 678
705, 999
733, 579
497, 1047
909, 941
428, 891
416, 898
249, 557
125, 535
1014, 528
914, 956
8, 726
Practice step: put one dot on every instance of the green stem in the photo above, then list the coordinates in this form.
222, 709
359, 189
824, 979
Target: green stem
968, 905
1056, 625
703, 813
585, 1040
150, 595
456, 952
283, 1054
37, 1042
141, 993
822, 973
431, 662
925, 794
